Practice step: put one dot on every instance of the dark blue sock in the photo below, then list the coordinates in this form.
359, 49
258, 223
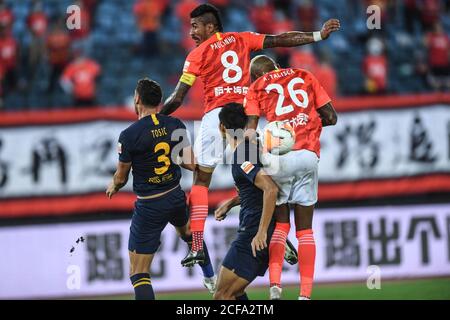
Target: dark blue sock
243, 297
142, 285
207, 266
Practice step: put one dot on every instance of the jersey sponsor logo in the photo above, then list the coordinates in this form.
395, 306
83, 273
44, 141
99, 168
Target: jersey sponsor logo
247, 167
218, 91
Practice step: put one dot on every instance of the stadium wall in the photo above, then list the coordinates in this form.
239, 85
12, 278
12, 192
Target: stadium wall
55, 163
353, 244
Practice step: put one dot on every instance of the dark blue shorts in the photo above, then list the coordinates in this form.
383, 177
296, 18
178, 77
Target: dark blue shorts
240, 260
151, 216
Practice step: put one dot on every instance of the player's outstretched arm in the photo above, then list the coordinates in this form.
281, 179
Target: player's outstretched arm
328, 115
298, 38
264, 182
119, 179
174, 101
221, 212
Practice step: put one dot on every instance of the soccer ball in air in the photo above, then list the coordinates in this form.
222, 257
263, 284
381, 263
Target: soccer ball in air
279, 137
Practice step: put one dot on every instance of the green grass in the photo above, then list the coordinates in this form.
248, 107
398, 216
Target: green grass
424, 289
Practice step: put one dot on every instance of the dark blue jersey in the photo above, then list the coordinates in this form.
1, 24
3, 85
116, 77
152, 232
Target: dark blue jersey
245, 167
148, 144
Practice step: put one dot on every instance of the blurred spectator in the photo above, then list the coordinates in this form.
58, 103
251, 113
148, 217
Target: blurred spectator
58, 51
261, 16
91, 8
148, 14
429, 13
303, 57
437, 43
9, 57
375, 67
282, 24
221, 5
326, 75
307, 15
37, 23
411, 14
79, 79
182, 10
6, 16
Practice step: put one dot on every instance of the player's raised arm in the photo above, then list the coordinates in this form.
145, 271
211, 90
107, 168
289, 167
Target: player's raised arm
270, 189
298, 38
119, 179
221, 212
174, 101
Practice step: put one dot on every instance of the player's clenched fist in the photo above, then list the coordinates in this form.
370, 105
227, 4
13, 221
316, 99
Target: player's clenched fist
328, 27
259, 242
111, 190
221, 212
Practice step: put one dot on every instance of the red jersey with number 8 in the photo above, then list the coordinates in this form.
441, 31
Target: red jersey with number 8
222, 62
292, 95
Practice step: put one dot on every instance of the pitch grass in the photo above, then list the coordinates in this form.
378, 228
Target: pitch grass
424, 289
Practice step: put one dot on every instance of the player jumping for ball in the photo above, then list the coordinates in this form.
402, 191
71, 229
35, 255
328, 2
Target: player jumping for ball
248, 255
292, 95
222, 61
150, 146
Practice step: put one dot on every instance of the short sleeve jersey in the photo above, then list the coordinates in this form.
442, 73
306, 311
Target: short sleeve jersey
222, 63
294, 95
149, 145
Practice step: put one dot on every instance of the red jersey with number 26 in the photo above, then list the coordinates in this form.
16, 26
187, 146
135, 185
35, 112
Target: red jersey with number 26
222, 62
293, 95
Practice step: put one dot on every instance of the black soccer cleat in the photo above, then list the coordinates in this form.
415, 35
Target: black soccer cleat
192, 258
290, 254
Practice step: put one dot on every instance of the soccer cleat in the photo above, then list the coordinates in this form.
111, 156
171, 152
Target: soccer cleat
275, 293
192, 258
290, 254
210, 284
303, 298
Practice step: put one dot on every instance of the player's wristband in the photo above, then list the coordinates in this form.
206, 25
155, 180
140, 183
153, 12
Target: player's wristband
317, 36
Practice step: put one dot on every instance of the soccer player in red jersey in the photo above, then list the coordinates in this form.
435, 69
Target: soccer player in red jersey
222, 61
292, 95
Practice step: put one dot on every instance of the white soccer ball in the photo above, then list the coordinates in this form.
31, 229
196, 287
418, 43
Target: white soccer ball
278, 137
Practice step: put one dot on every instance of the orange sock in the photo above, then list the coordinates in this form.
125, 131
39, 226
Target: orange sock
306, 259
277, 247
198, 199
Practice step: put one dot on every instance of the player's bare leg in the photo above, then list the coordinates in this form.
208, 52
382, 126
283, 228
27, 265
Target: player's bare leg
140, 275
277, 250
209, 279
230, 285
306, 248
198, 201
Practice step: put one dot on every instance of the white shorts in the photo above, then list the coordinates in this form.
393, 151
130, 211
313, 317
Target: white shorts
209, 144
296, 174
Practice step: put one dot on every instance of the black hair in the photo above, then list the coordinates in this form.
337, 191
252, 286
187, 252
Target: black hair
149, 92
209, 14
233, 116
